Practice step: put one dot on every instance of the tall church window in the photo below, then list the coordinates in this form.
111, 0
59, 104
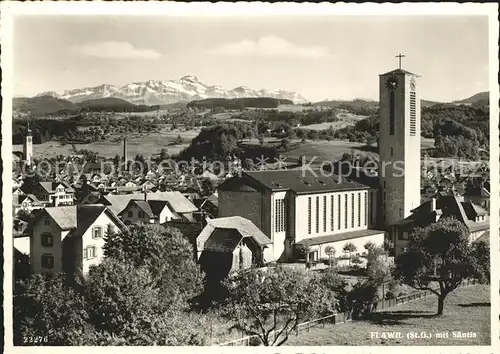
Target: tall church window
413, 114
391, 112
309, 212
332, 225
324, 213
352, 209
359, 209
280, 215
366, 208
346, 211
339, 213
317, 214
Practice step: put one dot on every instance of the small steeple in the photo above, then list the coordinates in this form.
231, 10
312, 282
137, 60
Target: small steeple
29, 129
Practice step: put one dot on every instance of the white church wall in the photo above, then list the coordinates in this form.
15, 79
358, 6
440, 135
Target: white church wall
352, 216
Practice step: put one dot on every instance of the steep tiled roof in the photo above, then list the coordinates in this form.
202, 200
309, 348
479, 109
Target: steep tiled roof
300, 181
64, 216
88, 214
446, 206
176, 200
238, 228
473, 210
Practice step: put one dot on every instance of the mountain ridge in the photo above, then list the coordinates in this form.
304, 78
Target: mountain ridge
158, 92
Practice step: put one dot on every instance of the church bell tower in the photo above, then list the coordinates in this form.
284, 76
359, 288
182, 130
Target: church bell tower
399, 144
28, 147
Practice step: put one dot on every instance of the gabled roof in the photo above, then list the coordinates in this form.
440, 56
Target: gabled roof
142, 205
50, 187
446, 206
243, 228
301, 181
64, 216
178, 202
472, 211
88, 214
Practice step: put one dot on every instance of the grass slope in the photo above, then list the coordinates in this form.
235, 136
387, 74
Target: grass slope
42, 105
466, 309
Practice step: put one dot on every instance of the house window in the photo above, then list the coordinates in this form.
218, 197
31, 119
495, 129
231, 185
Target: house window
339, 213
46, 221
324, 213
352, 209
309, 211
345, 211
97, 232
130, 214
359, 209
332, 225
392, 150
317, 214
47, 261
90, 252
47, 239
141, 214
403, 235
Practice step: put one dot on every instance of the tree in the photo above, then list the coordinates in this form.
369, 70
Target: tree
330, 252
165, 252
481, 261
349, 248
369, 245
437, 254
48, 309
270, 304
337, 287
361, 298
127, 308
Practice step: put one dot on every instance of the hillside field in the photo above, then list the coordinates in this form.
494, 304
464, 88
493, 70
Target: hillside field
144, 144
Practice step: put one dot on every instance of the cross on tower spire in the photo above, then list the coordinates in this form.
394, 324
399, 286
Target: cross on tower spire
399, 57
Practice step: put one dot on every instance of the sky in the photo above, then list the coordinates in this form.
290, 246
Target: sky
320, 57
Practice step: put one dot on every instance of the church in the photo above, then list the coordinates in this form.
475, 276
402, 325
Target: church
318, 209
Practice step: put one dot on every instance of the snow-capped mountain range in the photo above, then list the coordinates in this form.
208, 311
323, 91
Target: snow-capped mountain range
155, 92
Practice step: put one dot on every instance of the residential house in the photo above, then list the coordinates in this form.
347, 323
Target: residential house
53, 193
70, 238
25, 202
232, 243
475, 218
147, 211
179, 207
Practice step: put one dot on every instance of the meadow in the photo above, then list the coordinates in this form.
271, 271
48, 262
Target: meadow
466, 310
145, 144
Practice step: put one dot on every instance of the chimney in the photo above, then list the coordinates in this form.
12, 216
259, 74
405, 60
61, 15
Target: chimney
145, 193
125, 153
